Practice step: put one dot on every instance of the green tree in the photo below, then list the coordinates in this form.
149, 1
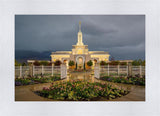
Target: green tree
90, 63
114, 63
138, 62
57, 63
44, 63
49, 64
143, 63
24, 64
37, 63
16, 63
103, 63
71, 63
123, 63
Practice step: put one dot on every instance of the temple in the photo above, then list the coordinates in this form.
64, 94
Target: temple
80, 53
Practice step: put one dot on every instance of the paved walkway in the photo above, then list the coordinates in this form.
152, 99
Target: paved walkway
26, 93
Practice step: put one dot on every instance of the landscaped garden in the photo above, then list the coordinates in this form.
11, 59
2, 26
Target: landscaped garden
125, 80
35, 80
80, 90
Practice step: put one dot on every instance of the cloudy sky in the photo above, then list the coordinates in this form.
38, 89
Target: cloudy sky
123, 36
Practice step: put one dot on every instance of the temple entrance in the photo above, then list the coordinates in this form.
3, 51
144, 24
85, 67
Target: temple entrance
80, 62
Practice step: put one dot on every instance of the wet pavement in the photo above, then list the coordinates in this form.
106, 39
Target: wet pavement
26, 93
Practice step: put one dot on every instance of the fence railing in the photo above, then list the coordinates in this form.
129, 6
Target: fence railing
121, 70
25, 71
108, 70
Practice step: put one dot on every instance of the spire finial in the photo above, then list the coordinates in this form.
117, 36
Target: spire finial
79, 26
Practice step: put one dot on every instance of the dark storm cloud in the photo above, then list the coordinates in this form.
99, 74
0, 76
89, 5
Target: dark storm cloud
123, 36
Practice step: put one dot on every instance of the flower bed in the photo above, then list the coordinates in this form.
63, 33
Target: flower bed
81, 91
125, 80
33, 80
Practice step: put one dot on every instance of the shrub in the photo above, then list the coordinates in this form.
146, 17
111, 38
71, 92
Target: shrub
81, 91
114, 63
36, 63
50, 64
44, 63
57, 63
90, 63
17, 64
128, 80
123, 63
24, 64
138, 62
35, 80
103, 63
71, 63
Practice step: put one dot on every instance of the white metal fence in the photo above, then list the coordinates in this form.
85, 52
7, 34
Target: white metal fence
121, 70
25, 71
21, 71
138, 70
109, 70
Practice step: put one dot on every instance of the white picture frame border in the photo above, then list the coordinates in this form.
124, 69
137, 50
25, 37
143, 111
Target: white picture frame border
8, 10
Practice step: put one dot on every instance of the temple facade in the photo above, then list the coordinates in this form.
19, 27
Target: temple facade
80, 53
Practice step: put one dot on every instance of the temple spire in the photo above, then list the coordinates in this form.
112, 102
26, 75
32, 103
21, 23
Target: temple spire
79, 26
80, 40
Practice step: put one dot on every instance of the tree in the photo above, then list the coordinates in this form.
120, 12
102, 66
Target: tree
123, 63
138, 62
36, 63
71, 63
57, 63
16, 63
24, 64
114, 63
90, 63
50, 64
143, 63
103, 63
44, 63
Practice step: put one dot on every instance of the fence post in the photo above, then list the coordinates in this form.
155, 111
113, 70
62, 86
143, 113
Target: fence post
97, 71
118, 70
63, 71
140, 70
20, 69
52, 70
127, 70
33, 70
108, 69
42, 69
